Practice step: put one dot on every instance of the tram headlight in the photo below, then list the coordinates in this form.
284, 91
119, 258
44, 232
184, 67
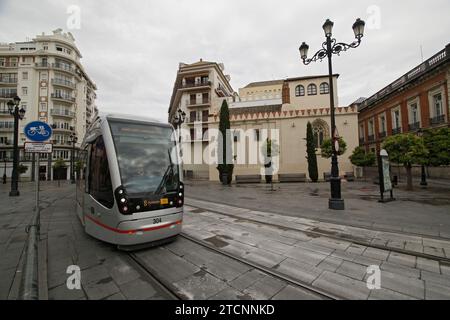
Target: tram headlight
180, 194
123, 200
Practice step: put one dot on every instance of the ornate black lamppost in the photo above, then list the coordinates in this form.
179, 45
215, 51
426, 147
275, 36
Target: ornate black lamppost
72, 139
13, 107
330, 47
178, 119
423, 176
4, 172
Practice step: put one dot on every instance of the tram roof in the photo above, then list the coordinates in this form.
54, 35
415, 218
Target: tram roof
125, 116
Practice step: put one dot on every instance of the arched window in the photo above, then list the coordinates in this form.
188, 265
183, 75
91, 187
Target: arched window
321, 131
299, 90
312, 89
324, 88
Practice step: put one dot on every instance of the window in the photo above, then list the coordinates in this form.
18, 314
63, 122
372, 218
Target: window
437, 104
414, 113
382, 124
312, 89
324, 88
24, 75
192, 116
59, 49
299, 90
371, 128
24, 91
257, 135
396, 119
3, 140
320, 131
205, 115
100, 186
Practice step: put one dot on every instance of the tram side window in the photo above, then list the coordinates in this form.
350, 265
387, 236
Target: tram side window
100, 186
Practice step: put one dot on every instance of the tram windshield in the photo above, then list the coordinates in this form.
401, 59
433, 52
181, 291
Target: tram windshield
147, 157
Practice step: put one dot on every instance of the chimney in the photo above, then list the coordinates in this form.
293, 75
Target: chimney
285, 95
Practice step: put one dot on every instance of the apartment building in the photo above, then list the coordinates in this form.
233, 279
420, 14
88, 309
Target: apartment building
47, 74
419, 99
286, 105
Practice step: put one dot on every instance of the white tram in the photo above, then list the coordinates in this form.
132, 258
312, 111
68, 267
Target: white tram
130, 190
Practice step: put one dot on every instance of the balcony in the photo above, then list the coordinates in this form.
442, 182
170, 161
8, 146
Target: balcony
63, 83
63, 67
44, 65
63, 97
437, 120
9, 65
414, 126
62, 113
370, 137
8, 81
7, 95
68, 130
195, 103
396, 130
4, 128
382, 134
200, 84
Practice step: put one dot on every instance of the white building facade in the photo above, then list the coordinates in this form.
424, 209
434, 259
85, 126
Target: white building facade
47, 75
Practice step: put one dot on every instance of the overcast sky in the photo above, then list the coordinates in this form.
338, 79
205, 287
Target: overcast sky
132, 48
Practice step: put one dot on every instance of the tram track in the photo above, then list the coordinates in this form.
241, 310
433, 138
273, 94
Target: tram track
169, 290
330, 235
174, 293
296, 283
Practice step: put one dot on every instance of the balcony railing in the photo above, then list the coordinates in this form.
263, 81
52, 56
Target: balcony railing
64, 67
396, 130
370, 137
382, 134
63, 97
63, 82
191, 103
8, 80
8, 94
414, 126
62, 113
196, 84
42, 65
195, 119
8, 65
437, 120
56, 128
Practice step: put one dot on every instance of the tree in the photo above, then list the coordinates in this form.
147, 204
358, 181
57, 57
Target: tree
327, 151
438, 144
311, 154
57, 167
269, 149
407, 149
361, 158
225, 165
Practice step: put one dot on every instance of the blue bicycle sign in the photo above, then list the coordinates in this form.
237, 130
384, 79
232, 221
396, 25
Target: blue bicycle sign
38, 131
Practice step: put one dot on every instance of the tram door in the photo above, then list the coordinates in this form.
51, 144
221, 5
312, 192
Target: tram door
99, 199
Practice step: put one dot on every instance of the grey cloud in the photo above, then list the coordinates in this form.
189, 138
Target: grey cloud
131, 49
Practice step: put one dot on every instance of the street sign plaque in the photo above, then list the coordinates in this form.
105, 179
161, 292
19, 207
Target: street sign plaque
38, 131
38, 147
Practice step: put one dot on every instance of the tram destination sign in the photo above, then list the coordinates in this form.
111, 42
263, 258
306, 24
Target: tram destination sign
38, 147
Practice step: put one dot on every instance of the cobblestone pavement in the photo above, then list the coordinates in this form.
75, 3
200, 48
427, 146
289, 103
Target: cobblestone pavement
422, 211
283, 243
336, 266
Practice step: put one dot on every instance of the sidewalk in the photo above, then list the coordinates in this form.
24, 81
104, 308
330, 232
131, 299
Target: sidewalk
422, 211
106, 273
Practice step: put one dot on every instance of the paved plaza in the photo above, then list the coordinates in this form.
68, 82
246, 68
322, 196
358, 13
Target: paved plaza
288, 231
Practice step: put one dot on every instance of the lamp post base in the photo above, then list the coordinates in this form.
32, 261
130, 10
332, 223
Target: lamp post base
14, 193
336, 204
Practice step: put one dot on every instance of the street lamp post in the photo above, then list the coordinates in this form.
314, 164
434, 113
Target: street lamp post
13, 107
4, 172
72, 139
423, 176
330, 47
